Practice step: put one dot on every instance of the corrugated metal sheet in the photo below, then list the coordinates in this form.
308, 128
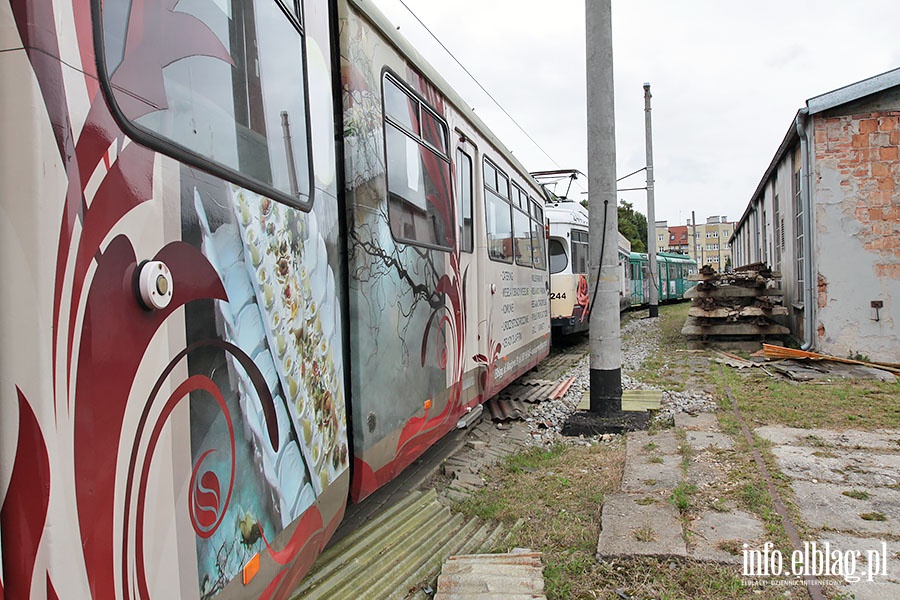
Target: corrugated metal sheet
512, 576
394, 555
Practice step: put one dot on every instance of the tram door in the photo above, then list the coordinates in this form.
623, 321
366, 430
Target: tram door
469, 204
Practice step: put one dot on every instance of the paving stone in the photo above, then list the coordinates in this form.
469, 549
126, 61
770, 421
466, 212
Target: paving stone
704, 473
714, 529
644, 473
700, 422
824, 438
824, 506
860, 468
701, 440
624, 521
881, 586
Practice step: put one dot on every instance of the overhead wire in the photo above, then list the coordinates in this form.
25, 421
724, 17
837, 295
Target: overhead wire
478, 83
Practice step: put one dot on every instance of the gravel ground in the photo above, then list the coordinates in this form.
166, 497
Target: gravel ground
640, 339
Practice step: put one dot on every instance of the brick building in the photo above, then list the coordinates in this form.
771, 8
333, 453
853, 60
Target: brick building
826, 213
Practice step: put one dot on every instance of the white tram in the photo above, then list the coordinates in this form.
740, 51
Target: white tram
570, 280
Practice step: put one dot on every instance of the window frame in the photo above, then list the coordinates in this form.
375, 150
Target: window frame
423, 142
158, 142
498, 173
461, 154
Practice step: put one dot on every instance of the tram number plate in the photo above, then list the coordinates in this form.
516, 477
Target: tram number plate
557, 295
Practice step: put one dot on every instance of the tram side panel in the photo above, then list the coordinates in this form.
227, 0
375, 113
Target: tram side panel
406, 283
416, 299
199, 448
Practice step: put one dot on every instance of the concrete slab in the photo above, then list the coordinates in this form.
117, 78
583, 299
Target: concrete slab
652, 463
715, 533
824, 506
885, 439
872, 551
633, 528
705, 473
701, 440
698, 422
663, 442
835, 465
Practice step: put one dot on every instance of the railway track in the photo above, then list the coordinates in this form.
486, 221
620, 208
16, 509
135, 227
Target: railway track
364, 543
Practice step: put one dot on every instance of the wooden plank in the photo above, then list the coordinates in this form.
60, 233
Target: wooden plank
736, 328
641, 400
632, 400
771, 351
733, 291
724, 312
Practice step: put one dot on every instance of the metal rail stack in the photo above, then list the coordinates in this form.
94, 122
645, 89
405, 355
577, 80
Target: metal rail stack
734, 309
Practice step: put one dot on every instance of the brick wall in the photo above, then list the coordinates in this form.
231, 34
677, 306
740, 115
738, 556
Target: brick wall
865, 148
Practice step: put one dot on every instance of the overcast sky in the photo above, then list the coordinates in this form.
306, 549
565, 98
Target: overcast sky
727, 78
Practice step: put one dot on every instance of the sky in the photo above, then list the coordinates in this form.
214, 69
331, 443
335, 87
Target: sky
726, 77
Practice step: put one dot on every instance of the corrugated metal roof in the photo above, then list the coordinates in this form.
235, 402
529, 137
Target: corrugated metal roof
854, 91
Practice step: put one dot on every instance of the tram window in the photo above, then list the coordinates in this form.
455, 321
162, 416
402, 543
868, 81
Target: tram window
579, 251
558, 258
522, 227
420, 209
464, 201
498, 214
537, 236
401, 108
223, 104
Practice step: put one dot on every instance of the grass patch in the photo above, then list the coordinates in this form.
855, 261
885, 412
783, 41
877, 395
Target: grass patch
873, 516
856, 494
644, 533
856, 404
681, 496
656, 460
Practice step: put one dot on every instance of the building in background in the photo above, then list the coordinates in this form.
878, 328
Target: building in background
826, 214
710, 241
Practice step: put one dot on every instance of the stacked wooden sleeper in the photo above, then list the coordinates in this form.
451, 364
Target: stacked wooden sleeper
735, 306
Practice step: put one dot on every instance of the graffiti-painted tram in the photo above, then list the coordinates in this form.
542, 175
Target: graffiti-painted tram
218, 325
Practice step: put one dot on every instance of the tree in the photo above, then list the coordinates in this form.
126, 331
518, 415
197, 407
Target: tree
633, 225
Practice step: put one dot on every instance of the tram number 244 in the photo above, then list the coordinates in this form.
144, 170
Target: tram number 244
557, 295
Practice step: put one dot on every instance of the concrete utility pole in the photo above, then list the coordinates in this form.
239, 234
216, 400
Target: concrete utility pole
606, 341
651, 209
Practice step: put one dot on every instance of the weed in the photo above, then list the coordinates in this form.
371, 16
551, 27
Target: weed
856, 494
650, 482
645, 501
732, 547
644, 533
681, 496
873, 516
824, 454
656, 460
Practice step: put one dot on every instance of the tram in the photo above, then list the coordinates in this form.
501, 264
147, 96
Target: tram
257, 257
672, 281
570, 291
